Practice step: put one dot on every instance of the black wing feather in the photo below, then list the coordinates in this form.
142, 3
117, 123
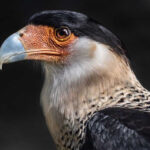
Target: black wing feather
118, 129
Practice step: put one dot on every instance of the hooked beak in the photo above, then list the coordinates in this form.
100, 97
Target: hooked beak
12, 50
35, 43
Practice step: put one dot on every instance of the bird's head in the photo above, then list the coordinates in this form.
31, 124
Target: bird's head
72, 42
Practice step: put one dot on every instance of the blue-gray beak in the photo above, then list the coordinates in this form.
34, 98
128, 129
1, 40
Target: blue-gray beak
12, 50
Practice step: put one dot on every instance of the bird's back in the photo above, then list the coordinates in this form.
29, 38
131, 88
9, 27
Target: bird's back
125, 127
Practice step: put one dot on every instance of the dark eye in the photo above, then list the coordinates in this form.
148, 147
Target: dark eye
62, 33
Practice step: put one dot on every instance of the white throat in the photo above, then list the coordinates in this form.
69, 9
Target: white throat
87, 76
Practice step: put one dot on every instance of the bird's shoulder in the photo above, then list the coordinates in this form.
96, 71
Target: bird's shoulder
118, 129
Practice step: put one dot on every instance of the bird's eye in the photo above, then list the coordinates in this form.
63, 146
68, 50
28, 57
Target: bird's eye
62, 34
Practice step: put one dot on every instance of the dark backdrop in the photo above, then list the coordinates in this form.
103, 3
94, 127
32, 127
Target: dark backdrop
22, 125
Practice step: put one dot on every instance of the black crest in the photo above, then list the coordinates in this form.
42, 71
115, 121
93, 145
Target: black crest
80, 25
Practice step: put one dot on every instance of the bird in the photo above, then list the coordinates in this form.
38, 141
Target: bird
91, 98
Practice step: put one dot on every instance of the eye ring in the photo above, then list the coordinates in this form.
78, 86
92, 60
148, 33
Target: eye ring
62, 34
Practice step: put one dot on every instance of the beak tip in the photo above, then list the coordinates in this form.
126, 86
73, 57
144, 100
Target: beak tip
1, 66
11, 50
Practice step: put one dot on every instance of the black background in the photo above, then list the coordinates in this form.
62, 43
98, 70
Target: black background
22, 125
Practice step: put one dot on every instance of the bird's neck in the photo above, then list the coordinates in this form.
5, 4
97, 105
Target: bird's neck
68, 105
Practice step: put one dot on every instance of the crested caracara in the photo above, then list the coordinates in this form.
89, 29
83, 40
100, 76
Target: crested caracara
91, 98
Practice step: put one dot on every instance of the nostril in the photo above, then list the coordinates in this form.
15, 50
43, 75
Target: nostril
20, 34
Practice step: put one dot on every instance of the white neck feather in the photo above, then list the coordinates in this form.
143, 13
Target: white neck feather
66, 87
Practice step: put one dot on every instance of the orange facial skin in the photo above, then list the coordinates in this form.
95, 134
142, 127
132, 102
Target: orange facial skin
41, 43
